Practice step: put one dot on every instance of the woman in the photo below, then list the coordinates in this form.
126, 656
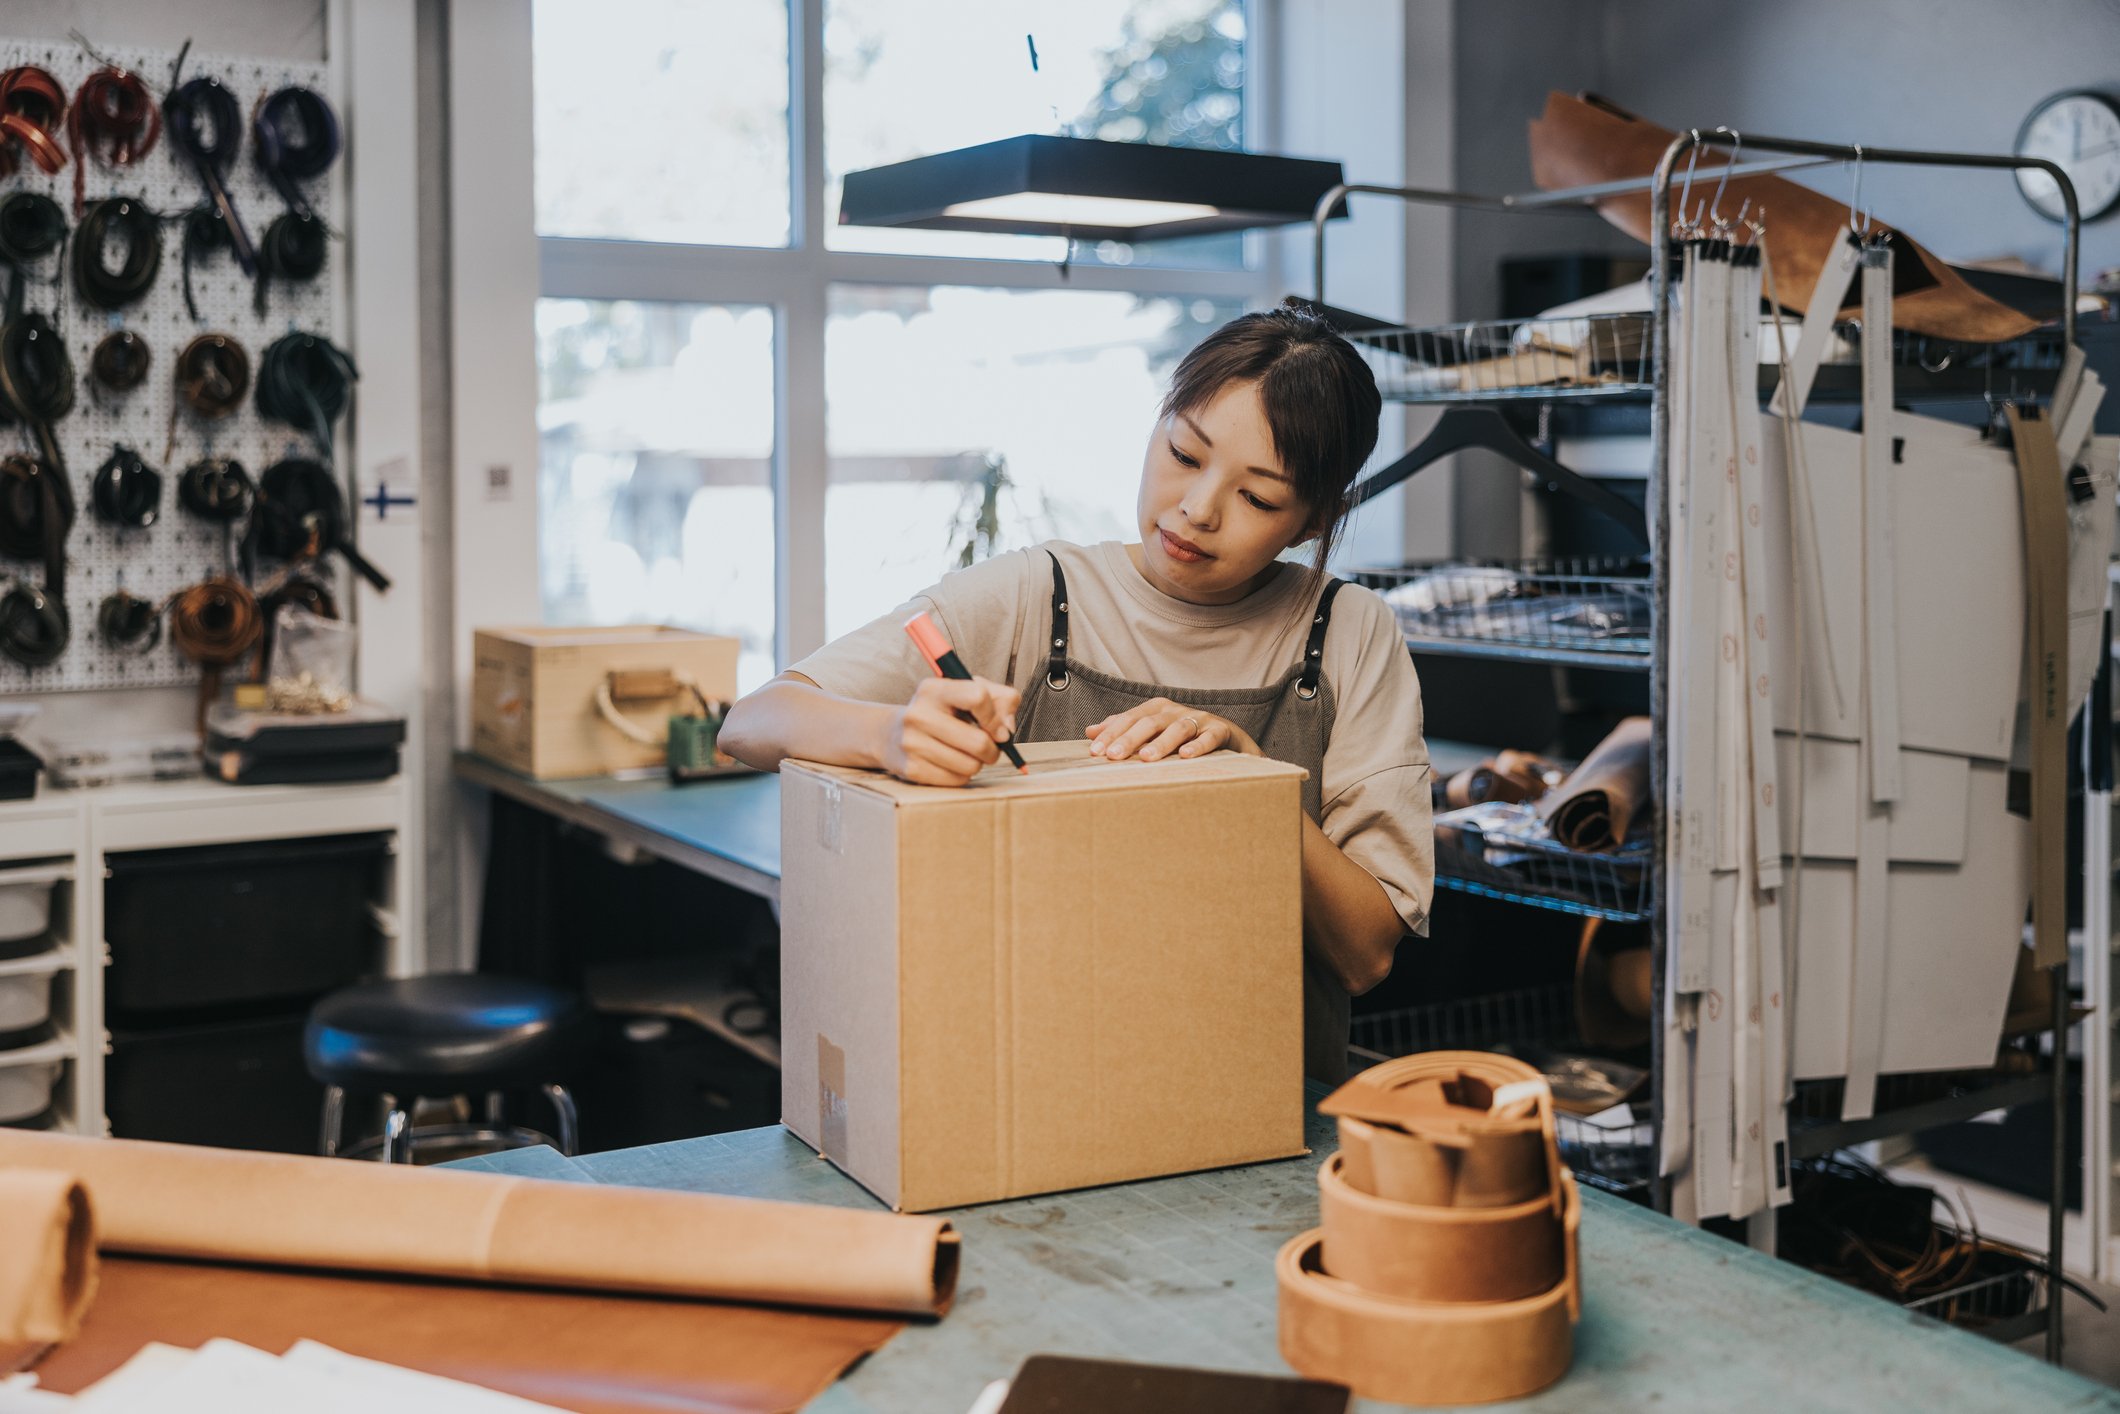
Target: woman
1197, 639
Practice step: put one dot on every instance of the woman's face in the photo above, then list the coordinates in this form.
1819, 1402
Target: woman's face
1216, 506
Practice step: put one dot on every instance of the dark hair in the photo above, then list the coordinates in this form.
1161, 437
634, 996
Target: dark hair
1320, 398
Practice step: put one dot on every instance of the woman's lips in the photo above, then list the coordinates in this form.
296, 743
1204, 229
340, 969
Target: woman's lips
1183, 551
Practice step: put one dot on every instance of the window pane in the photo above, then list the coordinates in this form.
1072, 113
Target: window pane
655, 493
905, 78
662, 120
970, 421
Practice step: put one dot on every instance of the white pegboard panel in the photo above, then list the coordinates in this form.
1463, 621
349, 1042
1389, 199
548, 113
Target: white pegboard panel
179, 549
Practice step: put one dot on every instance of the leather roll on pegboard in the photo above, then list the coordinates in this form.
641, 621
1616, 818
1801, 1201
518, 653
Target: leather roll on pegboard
1438, 1254
36, 509
216, 488
34, 627
31, 227
136, 225
32, 112
300, 514
295, 138
113, 119
206, 127
213, 375
128, 623
291, 250
121, 361
1427, 1352
1425, 1129
127, 491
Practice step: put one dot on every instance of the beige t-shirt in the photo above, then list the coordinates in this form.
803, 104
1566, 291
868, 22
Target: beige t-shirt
997, 614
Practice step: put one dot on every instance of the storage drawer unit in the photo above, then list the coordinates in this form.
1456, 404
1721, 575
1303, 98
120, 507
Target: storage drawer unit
236, 1086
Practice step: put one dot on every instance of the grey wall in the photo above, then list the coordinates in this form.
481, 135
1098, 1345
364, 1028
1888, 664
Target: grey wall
274, 29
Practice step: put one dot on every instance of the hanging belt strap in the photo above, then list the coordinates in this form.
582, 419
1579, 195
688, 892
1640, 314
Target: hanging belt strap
2040, 485
1314, 646
1056, 653
1879, 587
1826, 298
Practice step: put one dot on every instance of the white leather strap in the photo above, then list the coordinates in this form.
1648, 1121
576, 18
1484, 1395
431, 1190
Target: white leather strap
1827, 296
1880, 610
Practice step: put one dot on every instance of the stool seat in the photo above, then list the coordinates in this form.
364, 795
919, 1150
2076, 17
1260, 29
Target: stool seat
444, 1034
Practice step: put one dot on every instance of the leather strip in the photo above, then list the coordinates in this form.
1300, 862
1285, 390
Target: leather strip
1879, 444
121, 361
1689, 794
305, 380
1414, 1130
215, 624
37, 386
216, 488
299, 514
1837, 272
115, 119
126, 622
213, 374
31, 227
1314, 646
1056, 659
1426, 1352
206, 126
296, 139
127, 491
1421, 1253
2039, 482
34, 628
291, 250
49, 1235
203, 234
134, 222
32, 110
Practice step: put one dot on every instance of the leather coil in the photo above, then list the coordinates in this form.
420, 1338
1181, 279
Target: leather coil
34, 629
37, 386
114, 119
295, 138
1408, 1132
299, 515
215, 624
140, 228
202, 235
216, 488
32, 110
213, 374
1437, 1254
31, 227
292, 250
127, 491
129, 623
121, 361
36, 509
305, 382
206, 126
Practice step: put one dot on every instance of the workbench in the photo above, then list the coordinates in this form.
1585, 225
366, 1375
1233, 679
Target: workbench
1180, 1271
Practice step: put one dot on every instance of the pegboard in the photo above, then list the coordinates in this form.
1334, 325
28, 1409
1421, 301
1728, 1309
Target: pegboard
180, 548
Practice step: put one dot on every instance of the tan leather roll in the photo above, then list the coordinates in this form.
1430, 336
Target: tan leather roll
1595, 807
1423, 1129
47, 1258
1421, 1253
1423, 1352
221, 1205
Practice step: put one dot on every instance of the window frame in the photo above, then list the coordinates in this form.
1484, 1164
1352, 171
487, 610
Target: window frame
795, 282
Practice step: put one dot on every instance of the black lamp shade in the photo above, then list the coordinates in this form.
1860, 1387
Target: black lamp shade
1089, 189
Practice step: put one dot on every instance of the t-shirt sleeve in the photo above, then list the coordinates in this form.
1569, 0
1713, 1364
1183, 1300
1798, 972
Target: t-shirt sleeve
978, 610
1375, 791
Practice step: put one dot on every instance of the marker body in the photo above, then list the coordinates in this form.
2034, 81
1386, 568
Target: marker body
944, 660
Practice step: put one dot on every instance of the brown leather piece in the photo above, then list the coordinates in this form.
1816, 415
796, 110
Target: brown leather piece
47, 1258
1594, 808
594, 1354
1417, 1130
1437, 1254
1511, 777
1575, 143
1613, 990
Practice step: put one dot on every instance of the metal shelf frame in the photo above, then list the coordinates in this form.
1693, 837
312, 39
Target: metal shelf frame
1787, 154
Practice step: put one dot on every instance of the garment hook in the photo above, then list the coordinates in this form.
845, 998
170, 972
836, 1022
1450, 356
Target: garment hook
1715, 215
1855, 201
1679, 224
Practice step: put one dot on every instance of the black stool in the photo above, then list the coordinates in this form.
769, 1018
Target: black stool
445, 1034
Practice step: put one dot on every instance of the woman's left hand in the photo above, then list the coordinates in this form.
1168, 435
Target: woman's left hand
1160, 727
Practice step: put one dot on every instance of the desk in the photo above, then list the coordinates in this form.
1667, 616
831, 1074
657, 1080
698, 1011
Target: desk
727, 829
1180, 1270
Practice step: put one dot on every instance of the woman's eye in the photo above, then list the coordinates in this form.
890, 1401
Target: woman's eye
1262, 505
1183, 459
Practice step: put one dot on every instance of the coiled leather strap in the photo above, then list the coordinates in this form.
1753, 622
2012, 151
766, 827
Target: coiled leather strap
32, 109
296, 140
127, 491
213, 374
31, 227
214, 624
205, 126
305, 381
140, 228
115, 119
203, 235
36, 514
121, 361
34, 628
37, 384
292, 250
300, 515
127, 622
217, 488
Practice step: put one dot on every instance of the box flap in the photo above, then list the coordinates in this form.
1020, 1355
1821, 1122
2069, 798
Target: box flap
1058, 768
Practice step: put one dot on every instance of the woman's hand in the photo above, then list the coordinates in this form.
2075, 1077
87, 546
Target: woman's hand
1160, 727
927, 742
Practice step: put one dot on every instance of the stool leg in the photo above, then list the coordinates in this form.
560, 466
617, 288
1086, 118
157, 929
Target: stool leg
334, 1117
396, 1149
494, 1108
563, 1106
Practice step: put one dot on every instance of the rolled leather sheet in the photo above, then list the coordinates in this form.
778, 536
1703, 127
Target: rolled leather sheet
1421, 1253
1577, 143
47, 1258
1426, 1352
220, 1205
1402, 1137
1594, 808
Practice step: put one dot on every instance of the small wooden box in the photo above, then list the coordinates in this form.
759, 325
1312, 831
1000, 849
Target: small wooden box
533, 693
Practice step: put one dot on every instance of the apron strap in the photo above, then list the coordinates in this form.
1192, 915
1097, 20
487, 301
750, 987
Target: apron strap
1314, 647
1056, 641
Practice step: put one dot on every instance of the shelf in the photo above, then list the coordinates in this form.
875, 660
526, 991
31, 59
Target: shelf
1612, 662
1556, 879
1587, 613
1961, 1097
54, 959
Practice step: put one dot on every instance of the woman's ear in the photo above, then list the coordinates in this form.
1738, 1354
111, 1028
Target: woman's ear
1317, 524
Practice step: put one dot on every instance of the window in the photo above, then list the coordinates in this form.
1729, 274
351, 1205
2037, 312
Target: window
757, 422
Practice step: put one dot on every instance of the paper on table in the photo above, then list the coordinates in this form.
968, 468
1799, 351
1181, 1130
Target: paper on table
228, 1377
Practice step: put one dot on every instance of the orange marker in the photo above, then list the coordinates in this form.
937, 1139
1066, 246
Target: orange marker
944, 660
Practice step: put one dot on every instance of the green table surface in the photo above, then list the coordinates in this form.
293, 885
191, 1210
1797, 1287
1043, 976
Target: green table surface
1180, 1271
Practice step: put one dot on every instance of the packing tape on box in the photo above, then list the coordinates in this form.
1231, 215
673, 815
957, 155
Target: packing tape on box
47, 1257
1438, 1254
1461, 1129
1425, 1352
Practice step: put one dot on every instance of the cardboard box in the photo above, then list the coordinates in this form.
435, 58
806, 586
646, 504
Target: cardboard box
1090, 974
533, 693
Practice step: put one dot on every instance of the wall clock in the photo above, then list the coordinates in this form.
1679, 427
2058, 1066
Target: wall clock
2079, 132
